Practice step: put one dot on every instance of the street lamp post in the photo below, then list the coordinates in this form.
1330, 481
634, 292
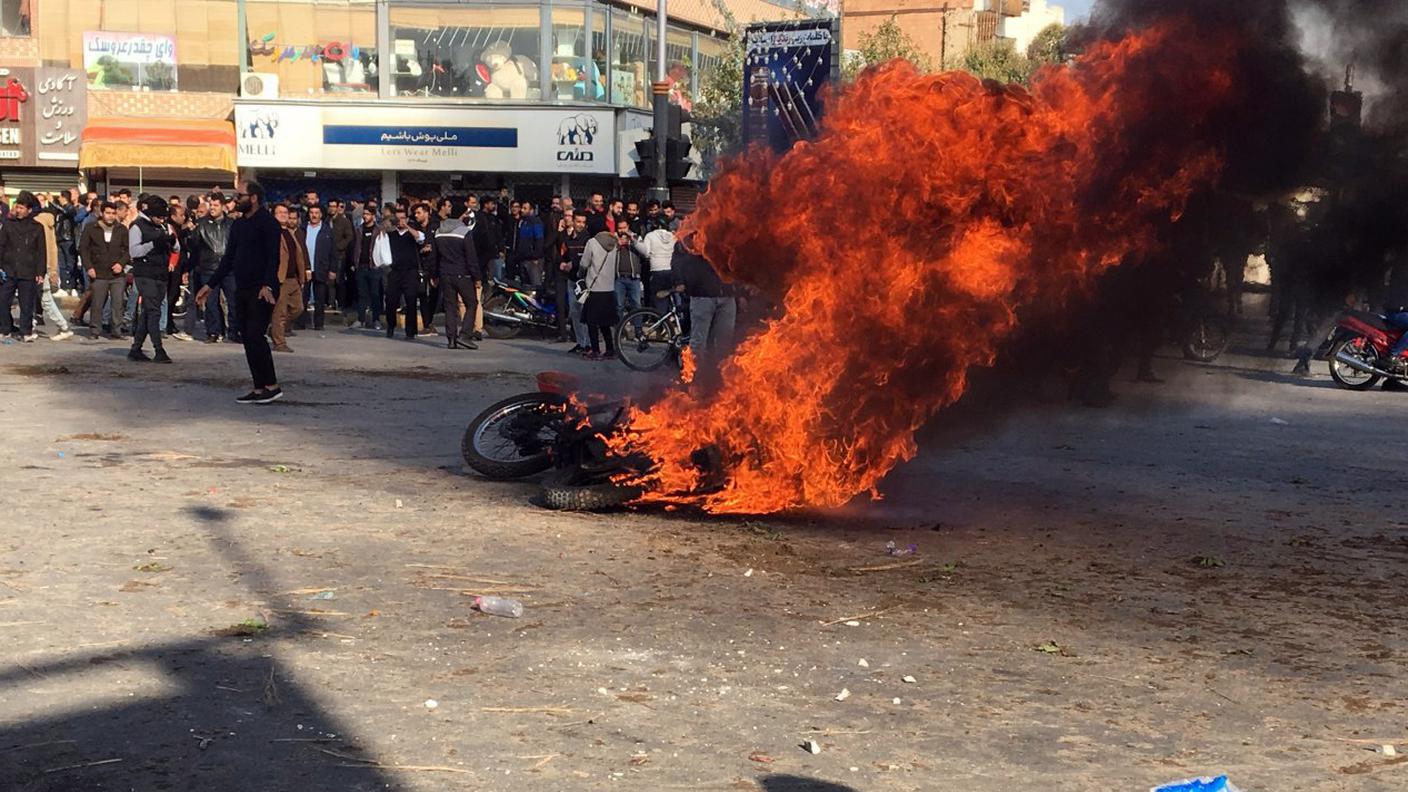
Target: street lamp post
660, 94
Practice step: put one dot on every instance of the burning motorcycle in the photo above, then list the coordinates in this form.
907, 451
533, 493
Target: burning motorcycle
509, 308
1358, 351
552, 429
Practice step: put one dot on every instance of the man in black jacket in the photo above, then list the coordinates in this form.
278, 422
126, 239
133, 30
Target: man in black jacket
252, 257
150, 243
712, 307
403, 281
321, 243
456, 267
24, 262
207, 248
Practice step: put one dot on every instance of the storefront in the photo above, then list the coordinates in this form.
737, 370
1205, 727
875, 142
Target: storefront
42, 114
352, 149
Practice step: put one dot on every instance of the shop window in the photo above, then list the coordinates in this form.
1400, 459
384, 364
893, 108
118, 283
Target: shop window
630, 60
679, 65
152, 45
468, 51
315, 48
578, 57
14, 17
712, 52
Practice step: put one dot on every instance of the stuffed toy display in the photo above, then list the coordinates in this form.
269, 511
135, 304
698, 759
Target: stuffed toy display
508, 76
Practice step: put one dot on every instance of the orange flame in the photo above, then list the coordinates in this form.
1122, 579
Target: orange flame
909, 234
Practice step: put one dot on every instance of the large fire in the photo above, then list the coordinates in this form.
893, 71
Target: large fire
908, 236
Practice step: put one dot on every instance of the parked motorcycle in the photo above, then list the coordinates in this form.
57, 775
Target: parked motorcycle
553, 429
509, 308
1358, 351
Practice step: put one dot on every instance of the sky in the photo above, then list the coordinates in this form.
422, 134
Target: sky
1075, 9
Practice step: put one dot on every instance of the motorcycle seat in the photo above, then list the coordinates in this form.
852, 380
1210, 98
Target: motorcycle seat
1374, 320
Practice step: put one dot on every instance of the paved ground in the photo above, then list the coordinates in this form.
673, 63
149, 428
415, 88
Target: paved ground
149, 516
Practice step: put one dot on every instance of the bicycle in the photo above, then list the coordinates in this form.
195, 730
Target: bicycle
645, 338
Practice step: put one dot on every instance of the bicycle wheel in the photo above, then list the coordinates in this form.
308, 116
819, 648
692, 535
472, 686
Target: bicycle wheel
649, 347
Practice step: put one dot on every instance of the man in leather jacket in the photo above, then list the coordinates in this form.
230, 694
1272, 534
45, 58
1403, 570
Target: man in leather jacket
207, 242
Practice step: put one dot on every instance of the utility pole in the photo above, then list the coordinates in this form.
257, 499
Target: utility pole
661, 94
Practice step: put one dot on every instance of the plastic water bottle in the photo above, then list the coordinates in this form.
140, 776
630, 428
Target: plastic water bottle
499, 606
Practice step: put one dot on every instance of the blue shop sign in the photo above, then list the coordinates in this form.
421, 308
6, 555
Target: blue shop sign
462, 137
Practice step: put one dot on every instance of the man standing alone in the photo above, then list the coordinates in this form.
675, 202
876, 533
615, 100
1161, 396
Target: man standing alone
252, 256
103, 248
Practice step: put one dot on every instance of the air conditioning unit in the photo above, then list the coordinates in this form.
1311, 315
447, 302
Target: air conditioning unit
259, 85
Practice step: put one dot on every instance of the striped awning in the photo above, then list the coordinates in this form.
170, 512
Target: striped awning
158, 143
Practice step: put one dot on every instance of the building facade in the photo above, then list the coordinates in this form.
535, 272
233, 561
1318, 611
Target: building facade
944, 30
349, 97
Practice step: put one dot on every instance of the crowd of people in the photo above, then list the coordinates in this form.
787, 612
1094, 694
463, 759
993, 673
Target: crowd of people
135, 265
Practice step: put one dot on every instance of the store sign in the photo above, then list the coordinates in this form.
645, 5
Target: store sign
42, 115
334, 51
130, 60
60, 113
785, 67
499, 140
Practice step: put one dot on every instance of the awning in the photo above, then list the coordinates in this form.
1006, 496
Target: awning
158, 143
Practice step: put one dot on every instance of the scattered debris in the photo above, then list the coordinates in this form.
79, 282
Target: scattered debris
760, 758
749, 573
812, 747
135, 585
251, 626
499, 606
556, 711
895, 700
1208, 561
84, 764
891, 549
847, 619
843, 695
863, 663
908, 679
326, 594
431, 704
280, 469
1051, 647
360, 762
639, 759
398, 503
1280, 422
1388, 750
153, 566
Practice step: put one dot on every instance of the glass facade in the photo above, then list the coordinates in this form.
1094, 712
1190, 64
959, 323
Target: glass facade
14, 18
152, 45
319, 49
630, 61
473, 50
490, 52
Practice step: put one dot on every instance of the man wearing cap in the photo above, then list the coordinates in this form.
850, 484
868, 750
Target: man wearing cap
150, 244
23, 260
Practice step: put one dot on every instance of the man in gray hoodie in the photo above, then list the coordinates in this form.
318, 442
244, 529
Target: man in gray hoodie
599, 310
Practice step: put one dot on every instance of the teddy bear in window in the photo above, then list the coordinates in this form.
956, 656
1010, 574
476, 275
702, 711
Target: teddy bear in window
508, 76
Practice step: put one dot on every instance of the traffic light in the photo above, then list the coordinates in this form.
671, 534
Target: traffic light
677, 162
645, 154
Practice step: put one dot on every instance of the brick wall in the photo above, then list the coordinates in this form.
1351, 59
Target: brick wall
142, 104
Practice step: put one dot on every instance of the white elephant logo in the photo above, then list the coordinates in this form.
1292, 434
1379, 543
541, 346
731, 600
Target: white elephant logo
578, 130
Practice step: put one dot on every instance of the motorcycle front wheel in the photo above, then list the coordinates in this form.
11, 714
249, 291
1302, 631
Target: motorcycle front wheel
495, 328
513, 438
1347, 376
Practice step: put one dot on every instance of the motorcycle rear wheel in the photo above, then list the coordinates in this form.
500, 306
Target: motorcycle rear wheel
488, 447
1347, 376
561, 493
497, 329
